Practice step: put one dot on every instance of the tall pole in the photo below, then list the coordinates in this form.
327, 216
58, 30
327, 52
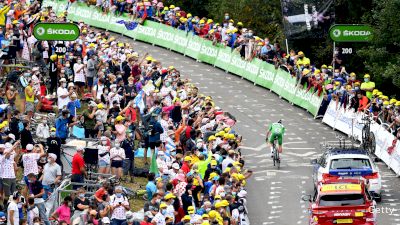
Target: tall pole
333, 63
287, 47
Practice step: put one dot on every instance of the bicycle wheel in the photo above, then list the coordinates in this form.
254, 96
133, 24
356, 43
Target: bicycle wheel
371, 143
278, 160
364, 138
274, 153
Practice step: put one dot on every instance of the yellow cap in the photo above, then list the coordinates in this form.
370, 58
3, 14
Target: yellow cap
392, 101
366, 76
169, 196
213, 214
119, 118
240, 24
397, 103
190, 209
53, 57
187, 217
100, 106
227, 129
384, 97
324, 66
375, 91
379, 94
213, 174
214, 163
149, 58
171, 67
202, 21
172, 7
317, 71
300, 53
231, 21
386, 103
187, 159
231, 137
218, 205
120, 45
220, 134
352, 74
212, 138
189, 15
225, 203
166, 8
226, 136
53, 129
357, 84
210, 21
337, 83
330, 67
217, 197
163, 205
205, 216
305, 72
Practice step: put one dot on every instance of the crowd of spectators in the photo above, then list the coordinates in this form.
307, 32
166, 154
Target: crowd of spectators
127, 102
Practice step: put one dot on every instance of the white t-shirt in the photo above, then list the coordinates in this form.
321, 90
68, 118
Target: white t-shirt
99, 90
119, 213
62, 101
79, 76
13, 207
102, 150
159, 219
30, 163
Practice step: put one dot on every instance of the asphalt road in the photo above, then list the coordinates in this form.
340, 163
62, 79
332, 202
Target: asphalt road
274, 196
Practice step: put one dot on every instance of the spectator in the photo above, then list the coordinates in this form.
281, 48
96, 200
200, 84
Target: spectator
36, 192
117, 156
78, 167
151, 187
368, 86
63, 212
51, 175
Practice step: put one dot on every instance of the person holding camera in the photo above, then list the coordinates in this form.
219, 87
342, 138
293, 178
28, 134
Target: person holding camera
119, 206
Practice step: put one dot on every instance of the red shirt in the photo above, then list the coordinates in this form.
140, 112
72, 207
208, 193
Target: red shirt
131, 114
100, 193
185, 167
77, 164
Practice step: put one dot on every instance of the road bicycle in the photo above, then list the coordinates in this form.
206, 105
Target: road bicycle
275, 155
368, 138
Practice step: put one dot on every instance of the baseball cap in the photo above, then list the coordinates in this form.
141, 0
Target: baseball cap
29, 147
169, 196
175, 166
105, 220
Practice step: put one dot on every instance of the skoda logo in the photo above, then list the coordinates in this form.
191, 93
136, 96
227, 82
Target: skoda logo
336, 33
40, 31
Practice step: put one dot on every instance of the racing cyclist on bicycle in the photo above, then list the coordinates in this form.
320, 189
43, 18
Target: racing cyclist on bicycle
276, 130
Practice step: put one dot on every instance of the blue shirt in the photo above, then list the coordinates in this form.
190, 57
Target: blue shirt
151, 189
73, 105
62, 127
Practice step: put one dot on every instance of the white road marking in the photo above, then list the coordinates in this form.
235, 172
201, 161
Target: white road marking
299, 154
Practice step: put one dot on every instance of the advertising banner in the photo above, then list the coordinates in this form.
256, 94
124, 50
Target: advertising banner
165, 36
147, 32
237, 65
208, 52
252, 69
266, 75
194, 46
180, 41
223, 59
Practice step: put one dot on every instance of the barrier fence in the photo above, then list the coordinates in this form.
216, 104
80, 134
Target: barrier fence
348, 122
256, 71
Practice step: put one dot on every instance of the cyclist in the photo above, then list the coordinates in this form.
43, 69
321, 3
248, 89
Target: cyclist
276, 130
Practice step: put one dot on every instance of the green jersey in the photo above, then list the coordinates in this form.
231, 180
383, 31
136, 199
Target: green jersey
276, 128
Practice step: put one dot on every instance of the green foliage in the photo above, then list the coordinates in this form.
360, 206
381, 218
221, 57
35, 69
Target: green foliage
382, 56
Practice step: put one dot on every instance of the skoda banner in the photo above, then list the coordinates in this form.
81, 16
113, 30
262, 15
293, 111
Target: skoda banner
351, 33
56, 31
256, 70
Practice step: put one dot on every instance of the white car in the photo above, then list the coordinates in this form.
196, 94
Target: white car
348, 163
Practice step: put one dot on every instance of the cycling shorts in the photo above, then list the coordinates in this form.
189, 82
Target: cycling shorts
278, 136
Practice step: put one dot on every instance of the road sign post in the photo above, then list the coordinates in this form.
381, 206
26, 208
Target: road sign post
56, 31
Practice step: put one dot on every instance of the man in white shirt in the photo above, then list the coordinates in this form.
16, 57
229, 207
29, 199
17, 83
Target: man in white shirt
228, 160
159, 218
7, 165
62, 94
43, 130
12, 209
51, 175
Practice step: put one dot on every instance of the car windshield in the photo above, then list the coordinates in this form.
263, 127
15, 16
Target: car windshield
342, 200
353, 163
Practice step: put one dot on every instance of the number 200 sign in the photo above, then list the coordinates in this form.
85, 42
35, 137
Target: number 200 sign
60, 49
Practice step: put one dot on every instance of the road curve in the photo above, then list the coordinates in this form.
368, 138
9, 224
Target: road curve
273, 196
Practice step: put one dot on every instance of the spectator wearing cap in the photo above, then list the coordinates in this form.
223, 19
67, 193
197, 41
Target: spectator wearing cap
30, 159
169, 201
159, 218
213, 168
63, 122
119, 205
12, 209
105, 220
78, 167
148, 217
54, 145
36, 191
368, 86
120, 128
51, 175
62, 94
